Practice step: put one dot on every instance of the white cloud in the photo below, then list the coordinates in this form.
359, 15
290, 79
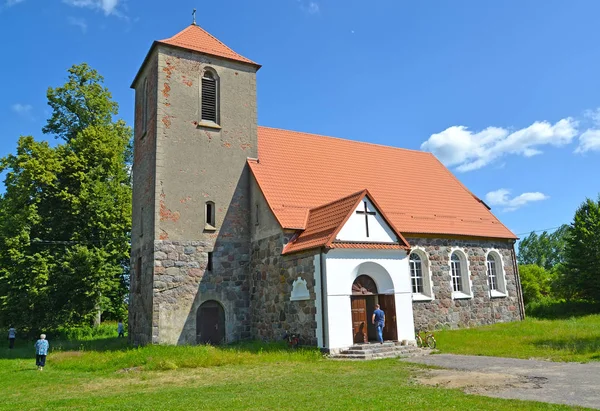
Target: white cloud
21, 108
502, 198
310, 7
588, 141
78, 22
593, 115
459, 146
107, 6
10, 3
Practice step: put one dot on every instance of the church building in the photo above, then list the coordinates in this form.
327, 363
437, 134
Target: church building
242, 231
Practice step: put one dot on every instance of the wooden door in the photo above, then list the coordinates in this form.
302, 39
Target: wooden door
359, 319
210, 323
388, 306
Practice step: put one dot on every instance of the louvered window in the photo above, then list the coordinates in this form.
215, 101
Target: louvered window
209, 97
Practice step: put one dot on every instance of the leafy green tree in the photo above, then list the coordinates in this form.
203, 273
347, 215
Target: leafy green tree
65, 218
545, 250
583, 251
536, 282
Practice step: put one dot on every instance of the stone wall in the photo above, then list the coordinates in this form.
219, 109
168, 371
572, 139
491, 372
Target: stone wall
443, 311
273, 274
182, 283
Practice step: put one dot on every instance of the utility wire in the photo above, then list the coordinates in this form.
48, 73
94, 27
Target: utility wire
539, 231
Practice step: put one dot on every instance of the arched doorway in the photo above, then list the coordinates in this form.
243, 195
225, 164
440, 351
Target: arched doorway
210, 323
364, 297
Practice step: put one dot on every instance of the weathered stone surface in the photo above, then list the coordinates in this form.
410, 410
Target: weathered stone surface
273, 314
443, 311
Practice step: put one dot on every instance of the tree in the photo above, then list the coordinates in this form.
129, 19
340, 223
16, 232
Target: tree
583, 251
535, 281
65, 218
545, 250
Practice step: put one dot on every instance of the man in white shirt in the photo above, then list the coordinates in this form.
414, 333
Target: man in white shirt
12, 333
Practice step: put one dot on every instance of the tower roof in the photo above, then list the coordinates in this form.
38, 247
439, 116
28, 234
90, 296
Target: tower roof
195, 38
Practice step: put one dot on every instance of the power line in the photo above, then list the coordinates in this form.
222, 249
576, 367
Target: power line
539, 231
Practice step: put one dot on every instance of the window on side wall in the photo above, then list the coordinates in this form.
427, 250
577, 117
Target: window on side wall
460, 276
419, 275
495, 275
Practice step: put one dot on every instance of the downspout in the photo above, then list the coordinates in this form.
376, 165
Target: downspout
323, 301
518, 278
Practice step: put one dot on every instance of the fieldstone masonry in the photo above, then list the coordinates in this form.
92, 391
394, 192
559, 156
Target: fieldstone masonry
182, 283
443, 311
273, 275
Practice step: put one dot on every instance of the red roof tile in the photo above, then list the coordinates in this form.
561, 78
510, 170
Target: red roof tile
196, 38
298, 172
325, 222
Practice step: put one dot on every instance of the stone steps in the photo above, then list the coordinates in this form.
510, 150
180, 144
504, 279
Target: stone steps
378, 351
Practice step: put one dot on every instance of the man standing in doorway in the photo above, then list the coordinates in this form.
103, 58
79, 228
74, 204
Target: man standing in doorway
379, 320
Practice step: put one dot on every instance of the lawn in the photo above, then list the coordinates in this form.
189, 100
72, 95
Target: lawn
574, 339
105, 374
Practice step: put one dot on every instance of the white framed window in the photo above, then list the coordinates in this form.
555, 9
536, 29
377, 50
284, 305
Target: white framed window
420, 276
496, 278
209, 97
459, 274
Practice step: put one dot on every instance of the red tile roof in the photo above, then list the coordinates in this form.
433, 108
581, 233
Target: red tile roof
196, 38
298, 172
325, 222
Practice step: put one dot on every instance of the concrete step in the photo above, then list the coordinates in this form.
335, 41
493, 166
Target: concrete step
398, 351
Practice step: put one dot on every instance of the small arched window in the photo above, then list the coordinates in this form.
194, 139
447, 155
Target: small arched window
416, 273
495, 273
419, 276
459, 272
210, 97
209, 216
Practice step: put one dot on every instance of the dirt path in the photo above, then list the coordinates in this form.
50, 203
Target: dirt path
554, 382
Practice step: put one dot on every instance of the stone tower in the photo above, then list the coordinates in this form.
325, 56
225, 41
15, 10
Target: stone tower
195, 127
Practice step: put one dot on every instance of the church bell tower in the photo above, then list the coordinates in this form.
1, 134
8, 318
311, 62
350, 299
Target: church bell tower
195, 127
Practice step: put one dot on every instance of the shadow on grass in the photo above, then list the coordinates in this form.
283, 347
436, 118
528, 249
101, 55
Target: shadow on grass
585, 345
557, 310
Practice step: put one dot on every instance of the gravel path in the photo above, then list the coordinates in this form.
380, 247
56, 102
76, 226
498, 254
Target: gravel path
554, 382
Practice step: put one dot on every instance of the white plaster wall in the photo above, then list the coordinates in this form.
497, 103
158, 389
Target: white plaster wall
355, 228
390, 271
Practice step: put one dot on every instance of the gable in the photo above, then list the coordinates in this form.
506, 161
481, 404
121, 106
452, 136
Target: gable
355, 229
299, 171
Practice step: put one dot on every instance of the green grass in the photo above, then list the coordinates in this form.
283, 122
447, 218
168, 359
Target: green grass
574, 339
104, 374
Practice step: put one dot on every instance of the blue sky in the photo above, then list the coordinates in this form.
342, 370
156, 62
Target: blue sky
504, 93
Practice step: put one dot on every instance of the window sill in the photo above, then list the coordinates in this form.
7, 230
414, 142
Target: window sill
209, 227
461, 296
498, 294
209, 124
421, 297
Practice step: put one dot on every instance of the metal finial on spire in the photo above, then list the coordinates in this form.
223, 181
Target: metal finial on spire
194, 17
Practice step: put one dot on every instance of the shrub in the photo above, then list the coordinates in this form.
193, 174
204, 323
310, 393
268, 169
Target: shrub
549, 308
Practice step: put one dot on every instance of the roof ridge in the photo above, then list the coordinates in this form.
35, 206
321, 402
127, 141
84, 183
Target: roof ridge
349, 140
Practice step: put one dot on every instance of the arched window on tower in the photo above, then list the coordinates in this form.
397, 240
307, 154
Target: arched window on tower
209, 97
